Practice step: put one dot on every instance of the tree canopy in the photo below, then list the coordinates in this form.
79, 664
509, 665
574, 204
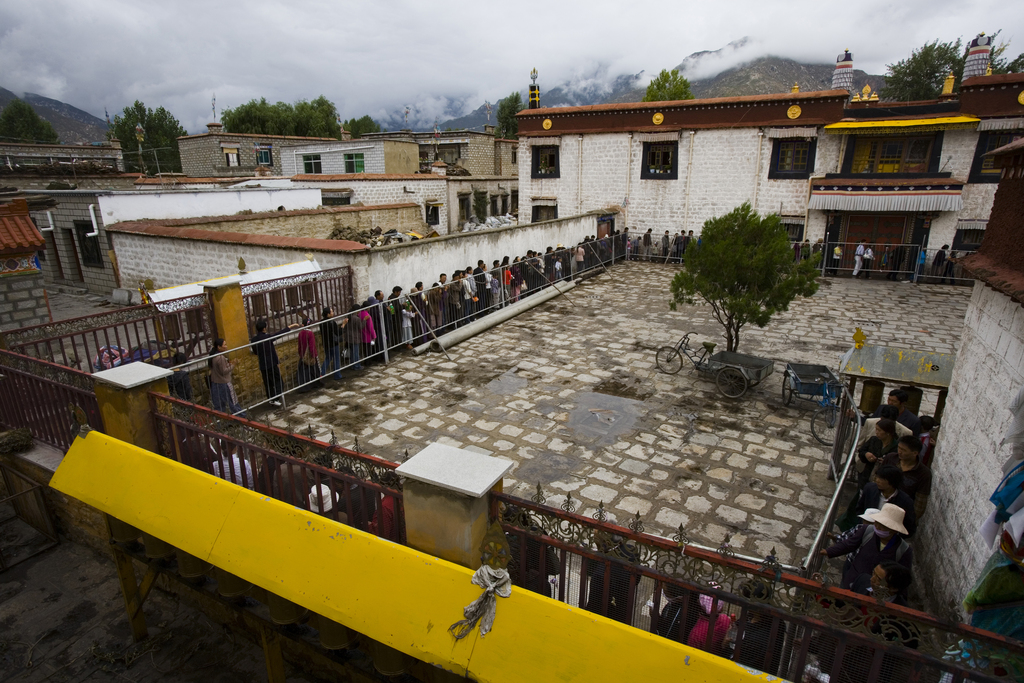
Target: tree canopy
316, 118
744, 270
921, 75
160, 142
668, 86
20, 122
508, 125
364, 124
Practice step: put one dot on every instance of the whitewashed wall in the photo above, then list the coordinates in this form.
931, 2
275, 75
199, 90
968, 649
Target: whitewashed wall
332, 156
133, 206
966, 469
169, 261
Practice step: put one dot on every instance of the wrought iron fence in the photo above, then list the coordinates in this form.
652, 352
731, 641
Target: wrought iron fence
349, 487
896, 262
153, 333
288, 300
40, 396
756, 613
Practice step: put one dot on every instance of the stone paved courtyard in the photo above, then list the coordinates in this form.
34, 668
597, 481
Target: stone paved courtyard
570, 393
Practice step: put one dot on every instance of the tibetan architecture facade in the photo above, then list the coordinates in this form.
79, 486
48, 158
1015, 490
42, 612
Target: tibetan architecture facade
218, 153
833, 167
22, 297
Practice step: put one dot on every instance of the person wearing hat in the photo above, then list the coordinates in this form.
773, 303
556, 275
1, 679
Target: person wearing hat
881, 538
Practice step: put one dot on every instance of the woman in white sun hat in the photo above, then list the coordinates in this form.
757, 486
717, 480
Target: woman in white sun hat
880, 538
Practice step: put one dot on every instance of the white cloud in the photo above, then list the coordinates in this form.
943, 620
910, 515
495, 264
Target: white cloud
441, 59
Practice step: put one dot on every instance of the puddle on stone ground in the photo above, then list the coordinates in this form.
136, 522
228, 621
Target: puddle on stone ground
631, 388
546, 468
602, 417
506, 384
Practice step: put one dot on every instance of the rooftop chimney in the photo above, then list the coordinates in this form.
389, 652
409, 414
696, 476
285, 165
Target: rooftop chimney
842, 77
215, 127
489, 129
978, 54
534, 91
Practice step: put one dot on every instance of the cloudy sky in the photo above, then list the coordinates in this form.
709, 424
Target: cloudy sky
439, 58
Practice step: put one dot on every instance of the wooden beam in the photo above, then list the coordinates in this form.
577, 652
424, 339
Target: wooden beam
272, 655
129, 591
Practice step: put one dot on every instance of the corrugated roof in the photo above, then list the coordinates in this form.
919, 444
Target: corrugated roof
17, 231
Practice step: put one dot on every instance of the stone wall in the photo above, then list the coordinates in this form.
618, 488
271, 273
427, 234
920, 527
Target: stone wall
169, 261
506, 162
725, 168
202, 155
501, 188
175, 203
379, 156
23, 299
65, 263
383, 191
113, 181
14, 154
966, 469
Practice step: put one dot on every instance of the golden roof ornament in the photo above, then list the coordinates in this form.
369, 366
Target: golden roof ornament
988, 69
947, 86
795, 88
859, 338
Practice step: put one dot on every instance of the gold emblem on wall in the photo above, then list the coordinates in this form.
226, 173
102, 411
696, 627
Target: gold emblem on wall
547, 124
658, 118
1020, 97
793, 112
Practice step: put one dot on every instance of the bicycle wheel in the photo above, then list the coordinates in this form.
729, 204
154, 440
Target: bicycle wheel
824, 423
731, 382
787, 391
669, 360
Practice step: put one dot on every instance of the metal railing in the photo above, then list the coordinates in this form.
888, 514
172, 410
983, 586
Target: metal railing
897, 262
40, 396
288, 300
151, 332
349, 487
28, 503
755, 613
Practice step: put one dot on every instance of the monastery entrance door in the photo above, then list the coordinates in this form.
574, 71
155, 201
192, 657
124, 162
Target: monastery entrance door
877, 230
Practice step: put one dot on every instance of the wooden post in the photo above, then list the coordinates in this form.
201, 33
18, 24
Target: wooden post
272, 655
133, 595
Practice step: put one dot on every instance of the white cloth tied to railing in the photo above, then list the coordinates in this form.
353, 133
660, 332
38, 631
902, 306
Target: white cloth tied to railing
495, 582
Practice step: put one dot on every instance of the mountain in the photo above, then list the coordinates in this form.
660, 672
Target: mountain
73, 125
710, 75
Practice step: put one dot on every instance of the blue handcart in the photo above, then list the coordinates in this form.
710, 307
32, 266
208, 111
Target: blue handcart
818, 384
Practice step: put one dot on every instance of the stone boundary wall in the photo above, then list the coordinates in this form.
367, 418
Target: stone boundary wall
23, 300
968, 460
134, 206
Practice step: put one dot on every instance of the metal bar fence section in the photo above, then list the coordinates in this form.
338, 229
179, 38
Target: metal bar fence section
152, 332
351, 488
897, 262
757, 614
375, 332
39, 396
285, 301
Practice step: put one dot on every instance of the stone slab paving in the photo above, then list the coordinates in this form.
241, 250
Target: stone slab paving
570, 392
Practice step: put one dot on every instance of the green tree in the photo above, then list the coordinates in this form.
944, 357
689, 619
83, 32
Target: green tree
317, 118
668, 86
508, 125
20, 122
364, 124
744, 270
160, 142
921, 75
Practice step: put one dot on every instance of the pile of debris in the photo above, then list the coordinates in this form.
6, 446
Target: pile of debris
353, 234
474, 223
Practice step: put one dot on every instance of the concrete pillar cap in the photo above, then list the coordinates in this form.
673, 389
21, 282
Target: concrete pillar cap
455, 469
131, 375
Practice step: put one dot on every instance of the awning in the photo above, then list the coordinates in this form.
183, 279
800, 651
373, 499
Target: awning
850, 197
784, 133
905, 126
1001, 124
972, 224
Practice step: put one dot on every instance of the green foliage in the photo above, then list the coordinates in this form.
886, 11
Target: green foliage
162, 131
20, 122
357, 127
508, 125
480, 204
317, 118
668, 86
745, 270
921, 75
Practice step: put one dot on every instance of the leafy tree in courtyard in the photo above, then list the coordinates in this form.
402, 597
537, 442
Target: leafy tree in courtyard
744, 269
668, 86
161, 132
508, 125
357, 127
316, 118
20, 122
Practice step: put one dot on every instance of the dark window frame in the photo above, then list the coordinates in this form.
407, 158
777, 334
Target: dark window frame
354, 161
262, 154
671, 172
88, 247
432, 214
773, 167
536, 209
536, 153
312, 164
934, 157
232, 159
988, 141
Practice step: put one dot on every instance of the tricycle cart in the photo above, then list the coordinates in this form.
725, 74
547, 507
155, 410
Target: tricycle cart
734, 372
818, 384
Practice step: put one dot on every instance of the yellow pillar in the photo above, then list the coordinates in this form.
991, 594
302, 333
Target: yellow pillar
123, 397
230, 321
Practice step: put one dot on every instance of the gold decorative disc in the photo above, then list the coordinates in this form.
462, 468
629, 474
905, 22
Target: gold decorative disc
658, 118
547, 124
793, 112
1020, 97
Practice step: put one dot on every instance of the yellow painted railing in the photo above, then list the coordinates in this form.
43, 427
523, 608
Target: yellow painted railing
391, 593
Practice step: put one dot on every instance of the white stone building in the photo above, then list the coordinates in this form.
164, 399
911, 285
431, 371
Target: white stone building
351, 156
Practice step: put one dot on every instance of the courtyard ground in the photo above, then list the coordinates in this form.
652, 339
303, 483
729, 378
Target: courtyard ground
570, 393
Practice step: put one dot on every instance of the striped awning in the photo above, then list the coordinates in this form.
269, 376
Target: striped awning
1001, 124
901, 126
784, 133
850, 197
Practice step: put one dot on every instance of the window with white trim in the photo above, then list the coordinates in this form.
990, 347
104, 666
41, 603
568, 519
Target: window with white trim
311, 163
